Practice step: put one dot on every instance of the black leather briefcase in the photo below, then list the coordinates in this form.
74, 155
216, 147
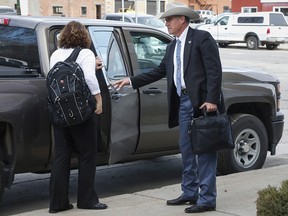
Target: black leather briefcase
211, 133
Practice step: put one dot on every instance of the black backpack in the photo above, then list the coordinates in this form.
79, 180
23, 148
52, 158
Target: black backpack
69, 99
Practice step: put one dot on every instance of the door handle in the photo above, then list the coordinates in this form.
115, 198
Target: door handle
116, 96
152, 91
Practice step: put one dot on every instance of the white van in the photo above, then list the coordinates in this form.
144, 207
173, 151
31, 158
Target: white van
254, 29
144, 19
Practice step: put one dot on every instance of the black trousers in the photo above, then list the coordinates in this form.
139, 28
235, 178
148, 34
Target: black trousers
81, 138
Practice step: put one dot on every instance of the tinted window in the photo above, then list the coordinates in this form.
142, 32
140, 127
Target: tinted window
113, 18
253, 19
277, 20
18, 50
223, 21
150, 21
117, 18
149, 48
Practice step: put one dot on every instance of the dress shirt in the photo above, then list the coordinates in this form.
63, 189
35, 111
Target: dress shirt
182, 38
86, 60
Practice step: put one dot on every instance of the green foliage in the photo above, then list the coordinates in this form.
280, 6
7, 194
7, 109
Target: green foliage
273, 201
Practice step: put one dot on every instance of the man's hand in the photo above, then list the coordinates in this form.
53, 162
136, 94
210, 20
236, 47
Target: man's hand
119, 84
209, 107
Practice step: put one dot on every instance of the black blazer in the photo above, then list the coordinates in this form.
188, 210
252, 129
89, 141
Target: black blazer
202, 73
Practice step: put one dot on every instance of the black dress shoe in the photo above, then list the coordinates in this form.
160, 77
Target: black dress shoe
180, 201
70, 206
99, 206
198, 209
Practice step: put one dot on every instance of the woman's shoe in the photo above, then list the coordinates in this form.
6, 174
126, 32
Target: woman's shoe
99, 205
70, 206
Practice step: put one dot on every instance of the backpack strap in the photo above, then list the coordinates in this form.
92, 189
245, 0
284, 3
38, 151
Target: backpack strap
73, 55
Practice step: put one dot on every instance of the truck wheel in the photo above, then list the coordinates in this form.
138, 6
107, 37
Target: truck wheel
223, 45
271, 46
251, 146
252, 43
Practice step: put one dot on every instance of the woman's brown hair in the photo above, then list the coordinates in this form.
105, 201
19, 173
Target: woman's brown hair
74, 34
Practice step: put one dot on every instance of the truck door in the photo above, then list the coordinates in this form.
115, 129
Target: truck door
148, 48
223, 29
124, 130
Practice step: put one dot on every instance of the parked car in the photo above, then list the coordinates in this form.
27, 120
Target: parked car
7, 10
134, 123
254, 29
145, 19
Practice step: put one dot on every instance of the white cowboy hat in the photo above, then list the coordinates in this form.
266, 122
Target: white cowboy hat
179, 9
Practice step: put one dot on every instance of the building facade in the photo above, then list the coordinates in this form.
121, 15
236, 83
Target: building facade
260, 5
218, 6
97, 8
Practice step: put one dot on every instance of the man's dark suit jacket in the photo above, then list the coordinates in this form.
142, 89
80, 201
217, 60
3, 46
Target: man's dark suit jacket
202, 73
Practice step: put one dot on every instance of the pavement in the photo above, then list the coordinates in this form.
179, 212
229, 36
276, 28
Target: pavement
237, 194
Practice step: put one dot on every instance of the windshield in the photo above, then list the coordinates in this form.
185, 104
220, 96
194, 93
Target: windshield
150, 21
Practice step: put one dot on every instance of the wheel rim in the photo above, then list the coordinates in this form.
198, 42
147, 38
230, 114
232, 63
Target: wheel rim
251, 43
248, 148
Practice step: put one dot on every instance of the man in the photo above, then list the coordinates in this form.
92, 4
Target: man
194, 74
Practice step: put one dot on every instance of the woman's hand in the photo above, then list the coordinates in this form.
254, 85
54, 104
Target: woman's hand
98, 99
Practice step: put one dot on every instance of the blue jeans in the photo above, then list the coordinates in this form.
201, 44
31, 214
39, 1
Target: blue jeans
199, 171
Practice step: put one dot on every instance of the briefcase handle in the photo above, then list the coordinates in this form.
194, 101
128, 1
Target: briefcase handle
205, 111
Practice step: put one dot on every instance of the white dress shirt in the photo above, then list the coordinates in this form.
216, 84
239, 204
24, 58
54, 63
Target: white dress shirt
182, 38
86, 60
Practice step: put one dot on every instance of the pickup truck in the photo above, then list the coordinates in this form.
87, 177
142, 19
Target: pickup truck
254, 29
134, 123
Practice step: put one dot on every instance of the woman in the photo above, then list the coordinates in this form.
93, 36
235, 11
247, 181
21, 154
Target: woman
80, 137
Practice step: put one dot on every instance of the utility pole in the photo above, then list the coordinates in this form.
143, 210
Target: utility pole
18, 8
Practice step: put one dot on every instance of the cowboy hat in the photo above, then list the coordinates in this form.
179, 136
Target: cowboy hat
179, 9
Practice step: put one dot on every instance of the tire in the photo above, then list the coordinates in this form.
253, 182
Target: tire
252, 43
251, 146
223, 45
271, 46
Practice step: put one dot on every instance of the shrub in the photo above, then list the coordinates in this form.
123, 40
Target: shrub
273, 201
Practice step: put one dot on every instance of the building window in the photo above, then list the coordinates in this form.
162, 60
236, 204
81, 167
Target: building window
98, 11
249, 9
57, 10
84, 11
284, 10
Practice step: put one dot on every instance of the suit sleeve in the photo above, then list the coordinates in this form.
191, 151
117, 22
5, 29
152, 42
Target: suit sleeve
213, 68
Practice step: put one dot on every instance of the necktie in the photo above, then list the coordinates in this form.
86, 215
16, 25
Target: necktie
178, 71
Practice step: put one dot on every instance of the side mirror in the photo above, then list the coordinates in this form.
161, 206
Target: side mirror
207, 21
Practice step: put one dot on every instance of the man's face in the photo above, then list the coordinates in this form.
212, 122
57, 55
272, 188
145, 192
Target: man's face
175, 25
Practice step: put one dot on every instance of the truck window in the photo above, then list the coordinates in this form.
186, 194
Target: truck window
253, 19
277, 20
223, 21
117, 18
19, 52
107, 47
149, 48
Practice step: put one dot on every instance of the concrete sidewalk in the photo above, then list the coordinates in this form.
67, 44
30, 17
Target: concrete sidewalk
237, 194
